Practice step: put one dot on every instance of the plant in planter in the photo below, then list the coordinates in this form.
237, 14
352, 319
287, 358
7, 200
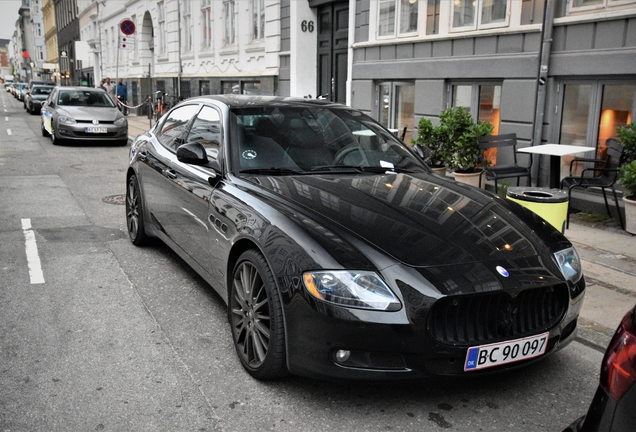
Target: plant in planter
459, 134
627, 176
428, 137
627, 138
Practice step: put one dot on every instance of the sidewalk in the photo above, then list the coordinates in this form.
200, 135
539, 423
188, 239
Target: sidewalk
609, 264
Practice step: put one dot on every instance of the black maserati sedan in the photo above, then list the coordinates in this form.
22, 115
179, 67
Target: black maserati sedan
339, 253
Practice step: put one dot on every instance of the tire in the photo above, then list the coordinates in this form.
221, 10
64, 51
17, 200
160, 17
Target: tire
134, 213
256, 318
44, 132
54, 139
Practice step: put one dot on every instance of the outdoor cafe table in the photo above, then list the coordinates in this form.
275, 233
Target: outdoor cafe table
555, 151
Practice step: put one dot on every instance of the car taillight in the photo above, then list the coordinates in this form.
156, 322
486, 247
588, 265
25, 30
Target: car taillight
618, 371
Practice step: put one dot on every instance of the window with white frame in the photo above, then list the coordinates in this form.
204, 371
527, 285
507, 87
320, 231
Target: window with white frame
38, 29
187, 26
583, 5
229, 23
397, 14
478, 14
161, 19
38, 53
258, 19
206, 23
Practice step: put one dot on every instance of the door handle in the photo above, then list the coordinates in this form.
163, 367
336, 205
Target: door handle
172, 174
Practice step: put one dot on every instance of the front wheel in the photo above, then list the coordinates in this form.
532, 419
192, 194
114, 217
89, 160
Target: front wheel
134, 213
256, 318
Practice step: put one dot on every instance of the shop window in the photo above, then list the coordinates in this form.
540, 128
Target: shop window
479, 14
482, 99
592, 110
595, 5
397, 107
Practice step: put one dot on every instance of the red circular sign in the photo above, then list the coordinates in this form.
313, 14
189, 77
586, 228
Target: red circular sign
127, 27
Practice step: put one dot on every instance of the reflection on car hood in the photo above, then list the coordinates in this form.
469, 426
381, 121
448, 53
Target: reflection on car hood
39, 97
80, 113
422, 220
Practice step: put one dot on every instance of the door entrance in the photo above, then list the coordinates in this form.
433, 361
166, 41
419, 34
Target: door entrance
333, 41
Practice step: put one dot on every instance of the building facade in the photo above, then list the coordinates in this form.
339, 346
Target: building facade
67, 25
51, 65
557, 71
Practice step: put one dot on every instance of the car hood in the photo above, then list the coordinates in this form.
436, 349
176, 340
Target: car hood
39, 97
421, 220
80, 113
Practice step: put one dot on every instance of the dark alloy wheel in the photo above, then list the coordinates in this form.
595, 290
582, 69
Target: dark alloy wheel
256, 317
134, 213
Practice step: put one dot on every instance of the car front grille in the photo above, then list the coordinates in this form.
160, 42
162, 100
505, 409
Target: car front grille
492, 317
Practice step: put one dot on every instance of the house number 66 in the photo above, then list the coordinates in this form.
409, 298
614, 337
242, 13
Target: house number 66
307, 26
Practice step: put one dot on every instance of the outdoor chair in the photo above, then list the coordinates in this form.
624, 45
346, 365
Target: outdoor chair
603, 174
504, 164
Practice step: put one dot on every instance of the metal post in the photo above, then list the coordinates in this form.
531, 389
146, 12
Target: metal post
542, 76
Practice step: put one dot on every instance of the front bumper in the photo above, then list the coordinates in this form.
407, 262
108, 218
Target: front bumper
78, 131
387, 345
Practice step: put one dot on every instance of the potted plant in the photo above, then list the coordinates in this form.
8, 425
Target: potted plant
627, 138
428, 137
627, 176
459, 133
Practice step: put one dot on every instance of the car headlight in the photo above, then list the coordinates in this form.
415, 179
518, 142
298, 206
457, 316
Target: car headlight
121, 121
66, 120
570, 264
358, 289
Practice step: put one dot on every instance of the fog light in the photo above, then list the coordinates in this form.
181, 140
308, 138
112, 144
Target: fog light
342, 355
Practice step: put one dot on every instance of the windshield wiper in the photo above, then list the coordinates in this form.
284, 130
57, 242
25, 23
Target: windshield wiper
358, 169
272, 171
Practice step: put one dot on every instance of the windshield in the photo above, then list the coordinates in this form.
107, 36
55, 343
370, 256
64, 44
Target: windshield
302, 140
97, 98
41, 90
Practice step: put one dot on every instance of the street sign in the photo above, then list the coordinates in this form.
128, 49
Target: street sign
127, 42
127, 27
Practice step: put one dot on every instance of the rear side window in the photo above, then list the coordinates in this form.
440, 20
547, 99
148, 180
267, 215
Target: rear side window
175, 125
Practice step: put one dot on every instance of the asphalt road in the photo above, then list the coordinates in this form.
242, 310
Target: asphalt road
107, 336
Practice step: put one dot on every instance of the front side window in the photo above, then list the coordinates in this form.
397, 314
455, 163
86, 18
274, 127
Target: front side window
397, 14
206, 130
478, 14
175, 124
229, 21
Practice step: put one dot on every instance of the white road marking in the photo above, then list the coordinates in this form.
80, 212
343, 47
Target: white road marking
8, 131
33, 259
6, 119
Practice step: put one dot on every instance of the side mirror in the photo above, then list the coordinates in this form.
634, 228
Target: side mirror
422, 152
192, 153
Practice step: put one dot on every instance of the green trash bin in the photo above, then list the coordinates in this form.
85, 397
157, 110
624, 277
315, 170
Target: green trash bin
550, 204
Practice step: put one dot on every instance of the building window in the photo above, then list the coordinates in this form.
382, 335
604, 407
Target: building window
258, 19
161, 18
241, 87
397, 107
229, 21
478, 14
582, 5
206, 23
187, 26
38, 53
592, 110
482, 99
38, 29
400, 14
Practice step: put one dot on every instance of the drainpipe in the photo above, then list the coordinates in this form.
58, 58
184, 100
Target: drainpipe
542, 76
180, 70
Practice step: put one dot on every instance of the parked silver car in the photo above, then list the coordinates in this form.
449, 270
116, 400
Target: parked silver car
82, 113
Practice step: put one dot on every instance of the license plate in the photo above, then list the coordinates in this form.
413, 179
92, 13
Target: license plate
91, 129
486, 356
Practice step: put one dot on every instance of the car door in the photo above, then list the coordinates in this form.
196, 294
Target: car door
192, 188
155, 157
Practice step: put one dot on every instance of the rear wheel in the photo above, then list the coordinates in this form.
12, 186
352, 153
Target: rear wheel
256, 318
134, 213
